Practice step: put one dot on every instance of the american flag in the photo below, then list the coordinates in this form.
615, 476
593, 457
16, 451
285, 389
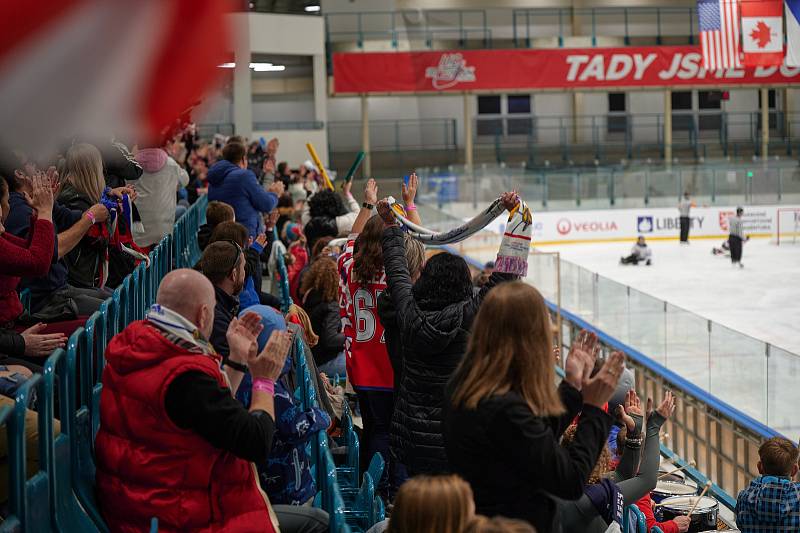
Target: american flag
719, 33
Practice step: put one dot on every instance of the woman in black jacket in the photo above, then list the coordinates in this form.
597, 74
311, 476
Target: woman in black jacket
433, 320
319, 292
504, 416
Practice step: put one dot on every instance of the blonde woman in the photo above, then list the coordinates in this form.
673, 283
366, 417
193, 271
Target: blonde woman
81, 188
432, 504
505, 415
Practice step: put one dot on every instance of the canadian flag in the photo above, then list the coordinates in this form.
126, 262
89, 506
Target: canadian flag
762, 33
102, 67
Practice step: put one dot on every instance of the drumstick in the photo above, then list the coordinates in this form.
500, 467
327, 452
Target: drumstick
697, 502
691, 464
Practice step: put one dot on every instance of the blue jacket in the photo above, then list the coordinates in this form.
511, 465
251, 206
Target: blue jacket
239, 188
771, 504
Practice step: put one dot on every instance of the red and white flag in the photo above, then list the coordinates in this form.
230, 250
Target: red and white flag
101, 67
762, 33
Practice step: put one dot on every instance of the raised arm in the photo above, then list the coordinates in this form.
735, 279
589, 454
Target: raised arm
630, 412
409, 193
261, 200
364, 214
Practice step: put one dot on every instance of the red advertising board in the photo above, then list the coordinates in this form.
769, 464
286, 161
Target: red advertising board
559, 68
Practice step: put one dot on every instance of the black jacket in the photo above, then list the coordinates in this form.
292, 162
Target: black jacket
326, 322
432, 344
83, 261
11, 343
227, 307
513, 460
391, 335
204, 235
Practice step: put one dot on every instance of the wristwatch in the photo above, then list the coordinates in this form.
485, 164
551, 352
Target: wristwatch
367, 205
236, 366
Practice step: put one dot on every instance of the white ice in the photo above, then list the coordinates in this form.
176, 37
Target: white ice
749, 307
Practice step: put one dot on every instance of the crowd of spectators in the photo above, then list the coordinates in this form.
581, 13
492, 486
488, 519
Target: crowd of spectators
452, 374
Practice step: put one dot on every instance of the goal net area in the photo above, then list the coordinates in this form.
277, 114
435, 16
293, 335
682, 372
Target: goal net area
787, 226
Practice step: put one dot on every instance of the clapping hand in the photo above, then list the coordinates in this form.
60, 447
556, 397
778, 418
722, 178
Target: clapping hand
667, 406
580, 360
242, 335
631, 406
269, 363
599, 389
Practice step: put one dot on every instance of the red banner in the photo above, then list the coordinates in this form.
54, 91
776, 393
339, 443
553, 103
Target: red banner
559, 68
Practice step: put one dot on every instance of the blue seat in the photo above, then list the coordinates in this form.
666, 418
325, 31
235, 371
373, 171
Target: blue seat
81, 434
348, 473
375, 470
634, 520
361, 516
656, 529
67, 513
29, 499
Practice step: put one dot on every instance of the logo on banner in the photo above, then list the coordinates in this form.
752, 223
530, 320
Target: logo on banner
644, 224
563, 226
452, 69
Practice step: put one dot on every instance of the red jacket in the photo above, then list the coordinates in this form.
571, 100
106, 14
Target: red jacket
147, 466
23, 257
645, 505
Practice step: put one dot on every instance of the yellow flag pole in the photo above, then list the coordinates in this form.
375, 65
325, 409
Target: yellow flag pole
315, 158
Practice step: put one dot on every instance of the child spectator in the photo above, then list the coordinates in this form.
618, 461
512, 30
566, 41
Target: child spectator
216, 213
772, 501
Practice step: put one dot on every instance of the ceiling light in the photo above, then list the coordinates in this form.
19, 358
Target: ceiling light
258, 67
312, 9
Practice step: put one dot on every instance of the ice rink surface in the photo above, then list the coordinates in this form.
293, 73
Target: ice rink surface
761, 300
749, 307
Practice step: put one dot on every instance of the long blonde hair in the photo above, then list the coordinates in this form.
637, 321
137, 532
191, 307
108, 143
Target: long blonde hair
510, 349
84, 167
432, 504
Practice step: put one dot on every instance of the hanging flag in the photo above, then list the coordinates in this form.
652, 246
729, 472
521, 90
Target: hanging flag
762, 33
100, 67
719, 33
793, 33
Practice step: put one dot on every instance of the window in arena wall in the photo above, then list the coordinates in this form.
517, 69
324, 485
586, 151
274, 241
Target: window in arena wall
707, 102
682, 118
772, 101
617, 120
519, 104
489, 119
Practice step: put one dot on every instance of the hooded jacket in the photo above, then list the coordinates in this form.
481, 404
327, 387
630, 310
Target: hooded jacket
156, 194
432, 345
286, 477
239, 188
147, 466
771, 504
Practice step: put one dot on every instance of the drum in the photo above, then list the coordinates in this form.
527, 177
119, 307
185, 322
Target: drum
671, 475
666, 489
704, 516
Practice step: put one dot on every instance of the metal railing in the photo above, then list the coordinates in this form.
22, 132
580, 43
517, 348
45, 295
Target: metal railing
632, 185
461, 25
518, 27
394, 135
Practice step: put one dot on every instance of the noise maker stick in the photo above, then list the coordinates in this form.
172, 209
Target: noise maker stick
353, 168
691, 464
315, 157
697, 501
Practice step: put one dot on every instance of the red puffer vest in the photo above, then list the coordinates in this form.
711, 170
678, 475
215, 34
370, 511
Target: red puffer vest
147, 466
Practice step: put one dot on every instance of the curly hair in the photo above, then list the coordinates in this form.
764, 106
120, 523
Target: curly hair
326, 203
321, 243
368, 252
323, 278
445, 280
603, 465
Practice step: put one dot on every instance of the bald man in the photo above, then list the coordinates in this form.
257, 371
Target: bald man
173, 442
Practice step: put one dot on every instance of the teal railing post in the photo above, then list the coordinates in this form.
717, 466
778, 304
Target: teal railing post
594, 29
560, 28
691, 24
627, 35
658, 25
